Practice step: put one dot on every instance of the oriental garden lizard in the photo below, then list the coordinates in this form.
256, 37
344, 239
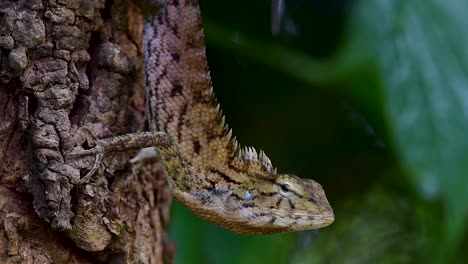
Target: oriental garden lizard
232, 186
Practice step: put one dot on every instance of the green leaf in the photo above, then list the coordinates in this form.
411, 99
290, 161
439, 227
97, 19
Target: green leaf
420, 51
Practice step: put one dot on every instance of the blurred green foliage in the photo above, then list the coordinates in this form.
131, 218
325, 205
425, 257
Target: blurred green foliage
369, 98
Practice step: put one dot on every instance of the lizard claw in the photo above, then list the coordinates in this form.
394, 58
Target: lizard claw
99, 151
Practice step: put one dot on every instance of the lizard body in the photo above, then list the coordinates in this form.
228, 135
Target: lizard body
208, 172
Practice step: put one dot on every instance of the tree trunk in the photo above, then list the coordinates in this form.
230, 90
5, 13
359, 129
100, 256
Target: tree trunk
67, 68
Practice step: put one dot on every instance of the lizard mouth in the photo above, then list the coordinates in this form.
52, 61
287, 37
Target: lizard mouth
326, 220
316, 221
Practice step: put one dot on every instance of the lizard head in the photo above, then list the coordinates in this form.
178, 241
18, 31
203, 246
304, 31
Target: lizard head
278, 203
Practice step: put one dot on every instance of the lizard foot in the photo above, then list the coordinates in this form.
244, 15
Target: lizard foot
98, 151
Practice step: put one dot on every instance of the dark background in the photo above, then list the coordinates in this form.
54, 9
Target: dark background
370, 99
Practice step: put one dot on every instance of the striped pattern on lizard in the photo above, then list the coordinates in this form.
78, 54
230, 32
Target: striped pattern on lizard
234, 187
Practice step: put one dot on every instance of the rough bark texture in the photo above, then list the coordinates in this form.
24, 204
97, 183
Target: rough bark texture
68, 67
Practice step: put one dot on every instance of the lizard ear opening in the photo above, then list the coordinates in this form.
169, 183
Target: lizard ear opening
248, 196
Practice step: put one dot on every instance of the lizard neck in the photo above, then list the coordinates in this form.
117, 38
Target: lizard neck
181, 101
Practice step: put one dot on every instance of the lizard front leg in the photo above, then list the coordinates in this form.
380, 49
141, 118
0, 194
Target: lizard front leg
126, 142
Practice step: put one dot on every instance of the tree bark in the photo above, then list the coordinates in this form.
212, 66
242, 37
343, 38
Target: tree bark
67, 68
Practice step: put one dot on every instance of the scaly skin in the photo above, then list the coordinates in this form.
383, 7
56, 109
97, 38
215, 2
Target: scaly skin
209, 173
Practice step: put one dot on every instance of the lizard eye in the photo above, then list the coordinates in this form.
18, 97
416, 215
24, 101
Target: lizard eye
289, 186
285, 187
248, 196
